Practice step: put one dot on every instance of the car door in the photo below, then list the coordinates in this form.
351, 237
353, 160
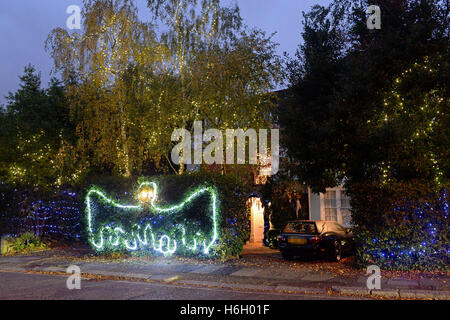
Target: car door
328, 234
345, 237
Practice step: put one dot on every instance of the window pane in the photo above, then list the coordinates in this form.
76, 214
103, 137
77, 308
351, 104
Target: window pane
330, 206
331, 214
330, 198
301, 227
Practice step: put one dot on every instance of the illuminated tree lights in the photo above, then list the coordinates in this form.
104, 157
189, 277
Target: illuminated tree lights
163, 229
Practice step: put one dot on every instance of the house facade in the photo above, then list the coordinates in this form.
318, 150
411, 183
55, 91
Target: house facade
333, 205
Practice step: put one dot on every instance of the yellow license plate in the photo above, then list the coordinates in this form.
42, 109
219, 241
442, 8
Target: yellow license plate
297, 241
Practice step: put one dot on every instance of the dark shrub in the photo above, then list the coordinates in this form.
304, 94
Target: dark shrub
401, 226
56, 215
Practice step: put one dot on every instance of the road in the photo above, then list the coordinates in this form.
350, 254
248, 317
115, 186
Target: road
16, 285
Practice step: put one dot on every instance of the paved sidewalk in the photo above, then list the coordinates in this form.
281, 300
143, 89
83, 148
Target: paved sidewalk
270, 278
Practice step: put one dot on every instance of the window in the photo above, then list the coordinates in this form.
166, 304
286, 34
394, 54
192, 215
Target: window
301, 227
335, 206
330, 206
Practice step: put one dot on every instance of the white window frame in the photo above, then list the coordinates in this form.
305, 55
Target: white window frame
339, 191
336, 203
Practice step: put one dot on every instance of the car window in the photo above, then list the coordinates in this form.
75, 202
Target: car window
301, 227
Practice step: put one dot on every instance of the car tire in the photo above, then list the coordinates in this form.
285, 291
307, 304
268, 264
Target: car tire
336, 253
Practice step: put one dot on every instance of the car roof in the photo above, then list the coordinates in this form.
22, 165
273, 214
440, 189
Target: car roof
317, 221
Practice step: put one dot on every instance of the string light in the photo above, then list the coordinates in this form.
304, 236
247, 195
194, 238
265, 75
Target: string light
423, 246
424, 110
58, 217
140, 234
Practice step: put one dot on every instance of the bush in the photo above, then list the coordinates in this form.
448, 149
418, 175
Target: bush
272, 238
172, 189
6, 214
27, 242
401, 226
283, 193
55, 215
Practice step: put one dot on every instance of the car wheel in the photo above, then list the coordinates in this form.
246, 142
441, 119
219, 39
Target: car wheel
336, 254
286, 256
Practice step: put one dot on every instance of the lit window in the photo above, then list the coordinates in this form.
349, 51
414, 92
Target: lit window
330, 206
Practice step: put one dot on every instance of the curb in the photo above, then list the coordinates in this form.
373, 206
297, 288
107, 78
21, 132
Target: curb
268, 288
394, 293
171, 278
351, 290
425, 294
386, 293
306, 290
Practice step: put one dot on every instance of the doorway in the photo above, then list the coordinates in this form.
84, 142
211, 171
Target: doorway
257, 221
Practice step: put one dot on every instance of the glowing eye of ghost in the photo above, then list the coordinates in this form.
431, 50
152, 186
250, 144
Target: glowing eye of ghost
146, 195
143, 236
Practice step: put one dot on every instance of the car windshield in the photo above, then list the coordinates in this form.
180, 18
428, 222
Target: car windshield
301, 227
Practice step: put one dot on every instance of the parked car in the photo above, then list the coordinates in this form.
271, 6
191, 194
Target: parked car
318, 238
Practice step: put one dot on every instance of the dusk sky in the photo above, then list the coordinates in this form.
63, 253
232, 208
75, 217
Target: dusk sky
25, 24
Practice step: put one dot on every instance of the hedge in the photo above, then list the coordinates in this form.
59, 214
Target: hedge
57, 215
194, 217
401, 226
62, 214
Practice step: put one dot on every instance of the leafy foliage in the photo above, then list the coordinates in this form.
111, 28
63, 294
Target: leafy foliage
369, 107
367, 104
233, 196
272, 238
282, 193
405, 228
55, 214
35, 130
107, 68
130, 86
26, 242
173, 189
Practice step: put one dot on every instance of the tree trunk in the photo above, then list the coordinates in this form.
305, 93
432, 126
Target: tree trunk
125, 148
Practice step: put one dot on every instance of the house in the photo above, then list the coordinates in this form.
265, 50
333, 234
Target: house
333, 205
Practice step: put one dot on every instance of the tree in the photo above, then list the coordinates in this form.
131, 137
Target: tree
35, 129
115, 54
379, 124
226, 73
131, 87
309, 114
356, 108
